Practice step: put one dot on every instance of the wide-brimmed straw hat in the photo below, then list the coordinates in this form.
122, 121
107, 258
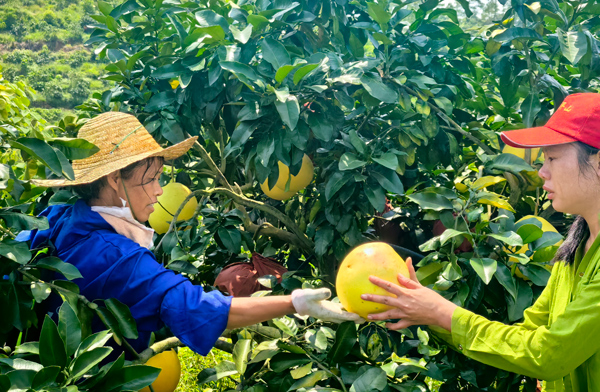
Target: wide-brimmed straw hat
577, 119
122, 140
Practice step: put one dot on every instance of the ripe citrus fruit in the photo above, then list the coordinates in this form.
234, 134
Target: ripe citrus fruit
170, 372
373, 258
275, 193
168, 203
297, 182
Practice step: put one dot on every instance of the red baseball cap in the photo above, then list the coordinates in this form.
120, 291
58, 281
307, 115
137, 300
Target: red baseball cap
576, 120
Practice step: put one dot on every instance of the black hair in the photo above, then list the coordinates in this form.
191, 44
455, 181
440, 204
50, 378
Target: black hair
89, 192
579, 228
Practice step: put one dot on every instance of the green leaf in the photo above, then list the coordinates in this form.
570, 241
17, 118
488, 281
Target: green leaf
131, 378
388, 159
69, 328
494, 199
230, 238
87, 360
529, 233
45, 377
241, 36
240, 354
335, 183
510, 163
122, 314
309, 380
303, 71
52, 347
301, 371
451, 233
573, 44
4, 383
28, 348
388, 179
485, 268
223, 369
93, 341
530, 108
486, 181
518, 33
21, 380
510, 238
317, 339
74, 148
349, 161
357, 142
506, 279
373, 379
378, 89
323, 241
289, 111
524, 299
548, 238
536, 273
376, 196
428, 274
169, 71
160, 101
16, 251
209, 18
285, 361
43, 152
275, 53
104, 7
55, 264
18, 221
379, 14
243, 71
431, 201
345, 338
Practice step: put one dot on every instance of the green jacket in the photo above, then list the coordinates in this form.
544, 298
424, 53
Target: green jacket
559, 338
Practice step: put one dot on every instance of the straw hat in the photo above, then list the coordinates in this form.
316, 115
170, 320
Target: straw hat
122, 140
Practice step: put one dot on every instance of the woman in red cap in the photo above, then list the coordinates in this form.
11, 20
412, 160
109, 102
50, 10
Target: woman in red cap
558, 338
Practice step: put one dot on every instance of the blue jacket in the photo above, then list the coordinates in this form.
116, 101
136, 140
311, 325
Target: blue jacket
114, 266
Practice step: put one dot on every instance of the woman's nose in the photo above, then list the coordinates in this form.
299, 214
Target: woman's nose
544, 172
159, 190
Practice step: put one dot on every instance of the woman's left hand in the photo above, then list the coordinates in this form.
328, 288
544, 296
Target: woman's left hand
414, 304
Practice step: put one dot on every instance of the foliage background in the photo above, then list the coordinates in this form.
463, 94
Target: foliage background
398, 104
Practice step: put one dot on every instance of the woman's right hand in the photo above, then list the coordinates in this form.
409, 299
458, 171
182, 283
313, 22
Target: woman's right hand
412, 303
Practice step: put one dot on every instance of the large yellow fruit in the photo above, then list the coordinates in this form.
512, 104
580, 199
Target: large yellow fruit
373, 258
173, 195
546, 226
276, 193
170, 372
297, 182
300, 180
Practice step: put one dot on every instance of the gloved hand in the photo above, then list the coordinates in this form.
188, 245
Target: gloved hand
312, 302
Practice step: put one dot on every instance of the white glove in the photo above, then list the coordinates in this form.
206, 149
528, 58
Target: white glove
311, 302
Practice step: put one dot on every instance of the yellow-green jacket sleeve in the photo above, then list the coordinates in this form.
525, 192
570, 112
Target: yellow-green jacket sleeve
532, 348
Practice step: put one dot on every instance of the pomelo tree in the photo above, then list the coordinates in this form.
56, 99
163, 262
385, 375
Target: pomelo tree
399, 110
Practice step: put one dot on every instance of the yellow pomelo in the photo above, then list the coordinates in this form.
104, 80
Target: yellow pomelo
546, 226
276, 193
170, 372
373, 258
520, 152
299, 181
168, 203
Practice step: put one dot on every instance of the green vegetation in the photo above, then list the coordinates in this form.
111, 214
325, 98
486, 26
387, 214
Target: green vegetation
41, 43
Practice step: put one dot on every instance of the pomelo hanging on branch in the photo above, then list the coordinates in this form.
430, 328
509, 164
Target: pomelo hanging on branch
170, 371
373, 258
168, 203
297, 182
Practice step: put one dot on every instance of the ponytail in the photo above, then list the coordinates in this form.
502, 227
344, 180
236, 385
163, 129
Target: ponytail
577, 232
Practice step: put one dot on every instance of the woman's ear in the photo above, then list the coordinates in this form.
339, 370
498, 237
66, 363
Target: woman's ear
113, 181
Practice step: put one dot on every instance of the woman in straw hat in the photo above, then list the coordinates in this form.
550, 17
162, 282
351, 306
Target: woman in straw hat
103, 236
558, 338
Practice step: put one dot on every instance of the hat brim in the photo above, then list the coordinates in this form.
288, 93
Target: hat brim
535, 137
169, 153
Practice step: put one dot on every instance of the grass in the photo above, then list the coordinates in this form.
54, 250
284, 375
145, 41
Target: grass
192, 364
